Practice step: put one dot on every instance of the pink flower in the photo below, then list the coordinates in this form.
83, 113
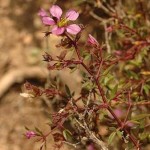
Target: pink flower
92, 41
118, 113
30, 134
130, 124
60, 24
118, 52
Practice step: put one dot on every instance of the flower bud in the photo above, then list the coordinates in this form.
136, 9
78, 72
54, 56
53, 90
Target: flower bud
30, 134
92, 41
109, 29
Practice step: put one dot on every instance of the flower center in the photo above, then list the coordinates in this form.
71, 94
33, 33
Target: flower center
62, 22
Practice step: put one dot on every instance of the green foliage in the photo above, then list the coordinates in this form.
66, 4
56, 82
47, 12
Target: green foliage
140, 117
67, 135
111, 137
68, 92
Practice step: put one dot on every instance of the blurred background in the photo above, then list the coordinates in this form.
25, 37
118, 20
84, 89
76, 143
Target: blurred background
22, 44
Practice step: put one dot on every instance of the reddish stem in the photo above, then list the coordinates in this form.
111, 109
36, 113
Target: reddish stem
120, 124
129, 107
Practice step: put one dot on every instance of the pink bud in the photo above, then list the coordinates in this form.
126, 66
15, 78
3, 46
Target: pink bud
92, 41
109, 29
129, 124
118, 113
90, 147
118, 53
30, 134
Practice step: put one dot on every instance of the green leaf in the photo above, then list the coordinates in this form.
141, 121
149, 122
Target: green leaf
38, 131
87, 57
62, 54
50, 119
67, 135
107, 70
73, 69
134, 122
101, 117
146, 88
84, 85
112, 128
132, 74
141, 116
26, 128
119, 133
111, 137
73, 93
132, 24
108, 79
67, 90
142, 124
143, 136
114, 91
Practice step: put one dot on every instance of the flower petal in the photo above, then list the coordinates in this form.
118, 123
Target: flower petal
42, 13
48, 21
73, 29
56, 11
58, 31
72, 15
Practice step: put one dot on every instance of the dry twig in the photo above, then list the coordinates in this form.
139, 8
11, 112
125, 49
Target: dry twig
19, 75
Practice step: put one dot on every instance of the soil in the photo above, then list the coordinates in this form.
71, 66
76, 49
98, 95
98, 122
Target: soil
22, 44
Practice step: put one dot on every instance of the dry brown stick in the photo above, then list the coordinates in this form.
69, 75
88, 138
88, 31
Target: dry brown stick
91, 135
19, 75
107, 38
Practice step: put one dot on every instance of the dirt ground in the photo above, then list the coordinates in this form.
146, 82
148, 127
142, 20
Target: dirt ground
21, 47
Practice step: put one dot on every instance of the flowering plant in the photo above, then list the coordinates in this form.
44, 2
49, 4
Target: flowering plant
113, 100
60, 24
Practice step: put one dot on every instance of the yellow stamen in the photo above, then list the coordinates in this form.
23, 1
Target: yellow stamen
62, 22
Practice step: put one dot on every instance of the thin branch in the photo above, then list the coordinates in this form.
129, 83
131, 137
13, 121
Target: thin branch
135, 103
99, 69
73, 145
107, 38
94, 138
99, 18
104, 99
129, 107
19, 75
91, 135
106, 10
